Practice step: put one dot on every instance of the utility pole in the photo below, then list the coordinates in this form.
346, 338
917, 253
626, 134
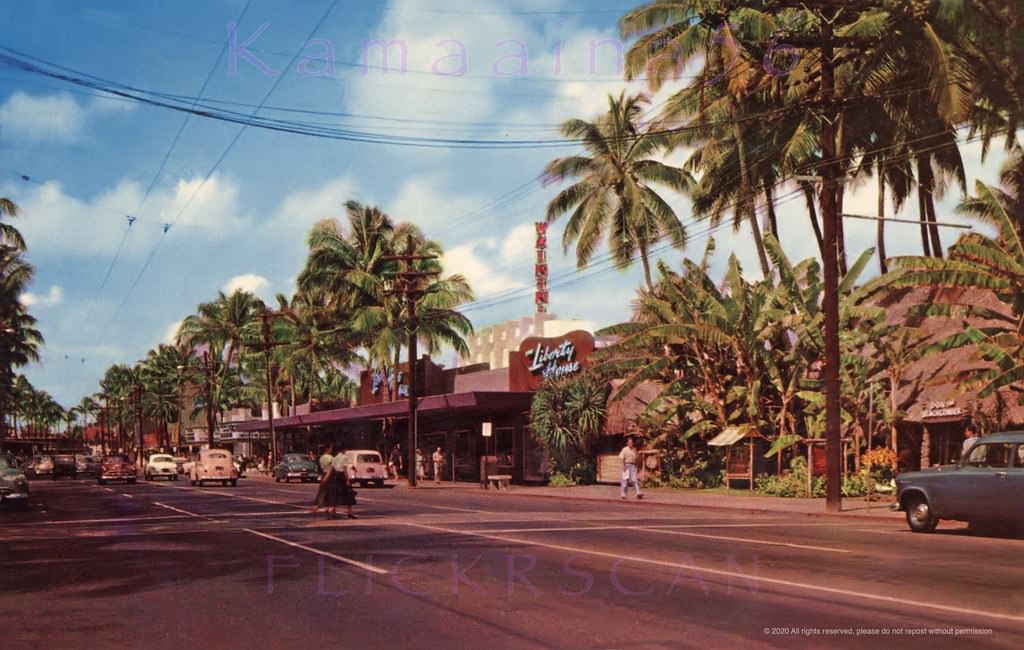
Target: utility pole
411, 291
208, 369
267, 345
136, 395
830, 216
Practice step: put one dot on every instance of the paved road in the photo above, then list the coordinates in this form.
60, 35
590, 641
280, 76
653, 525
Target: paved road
166, 565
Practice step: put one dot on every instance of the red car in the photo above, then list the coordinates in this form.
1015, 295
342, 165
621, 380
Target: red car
116, 468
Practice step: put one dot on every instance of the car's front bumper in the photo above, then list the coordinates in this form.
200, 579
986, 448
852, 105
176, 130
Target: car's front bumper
118, 476
14, 496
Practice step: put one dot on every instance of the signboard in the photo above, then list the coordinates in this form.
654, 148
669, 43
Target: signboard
486, 430
944, 409
539, 359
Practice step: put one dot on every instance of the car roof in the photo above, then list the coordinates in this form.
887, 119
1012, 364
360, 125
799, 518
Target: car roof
360, 451
1004, 436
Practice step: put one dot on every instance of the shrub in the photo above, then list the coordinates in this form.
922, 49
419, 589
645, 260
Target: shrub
882, 463
790, 484
559, 479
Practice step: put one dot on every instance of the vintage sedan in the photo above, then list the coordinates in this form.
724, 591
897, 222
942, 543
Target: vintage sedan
13, 484
161, 466
41, 466
295, 467
86, 464
213, 465
116, 467
983, 489
64, 465
368, 466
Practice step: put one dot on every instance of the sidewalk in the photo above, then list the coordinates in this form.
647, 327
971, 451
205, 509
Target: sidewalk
851, 507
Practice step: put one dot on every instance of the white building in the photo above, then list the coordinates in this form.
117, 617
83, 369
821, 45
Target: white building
492, 344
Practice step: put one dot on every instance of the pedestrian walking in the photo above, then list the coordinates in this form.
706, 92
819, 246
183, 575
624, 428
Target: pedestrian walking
629, 457
325, 461
340, 489
421, 465
970, 437
395, 461
438, 459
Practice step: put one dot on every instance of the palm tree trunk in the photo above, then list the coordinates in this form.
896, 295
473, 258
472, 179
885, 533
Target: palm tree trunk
922, 212
769, 197
881, 219
646, 262
745, 202
926, 202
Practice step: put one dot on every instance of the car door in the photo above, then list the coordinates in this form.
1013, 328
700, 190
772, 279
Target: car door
1015, 485
974, 490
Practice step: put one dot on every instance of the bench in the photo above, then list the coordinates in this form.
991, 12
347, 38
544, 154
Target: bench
500, 481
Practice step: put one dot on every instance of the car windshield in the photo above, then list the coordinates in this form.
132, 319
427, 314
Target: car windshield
114, 459
4, 464
218, 456
368, 458
64, 459
294, 458
161, 459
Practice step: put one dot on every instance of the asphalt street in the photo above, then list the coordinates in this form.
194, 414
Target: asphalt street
167, 565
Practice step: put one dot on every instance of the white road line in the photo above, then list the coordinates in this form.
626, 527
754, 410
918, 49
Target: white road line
233, 496
745, 540
184, 512
424, 505
108, 489
659, 529
849, 593
127, 495
333, 556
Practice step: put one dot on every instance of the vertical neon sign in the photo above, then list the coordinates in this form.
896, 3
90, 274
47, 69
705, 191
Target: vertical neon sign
540, 269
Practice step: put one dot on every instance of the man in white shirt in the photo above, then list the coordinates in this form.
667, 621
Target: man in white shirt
970, 437
629, 457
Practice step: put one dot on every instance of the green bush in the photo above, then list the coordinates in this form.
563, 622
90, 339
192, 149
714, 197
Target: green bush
790, 484
559, 479
706, 472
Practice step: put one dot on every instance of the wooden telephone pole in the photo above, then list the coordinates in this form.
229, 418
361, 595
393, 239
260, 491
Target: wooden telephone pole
268, 343
411, 290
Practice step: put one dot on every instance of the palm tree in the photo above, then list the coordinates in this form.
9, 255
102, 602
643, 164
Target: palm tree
979, 264
161, 395
613, 195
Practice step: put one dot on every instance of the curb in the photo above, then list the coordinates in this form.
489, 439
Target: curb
741, 508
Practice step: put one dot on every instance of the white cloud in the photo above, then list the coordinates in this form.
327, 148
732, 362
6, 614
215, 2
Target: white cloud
423, 200
55, 118
171, 333
519, 244
484, 278
256, 284
42, 117
89, 227
54, 296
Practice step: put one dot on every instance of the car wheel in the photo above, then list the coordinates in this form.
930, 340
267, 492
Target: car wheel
234, 482
192, 481
920, 516
277, 479
131, 481
174, 477
380, 483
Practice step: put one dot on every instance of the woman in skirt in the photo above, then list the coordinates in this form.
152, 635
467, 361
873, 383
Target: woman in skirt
339, 488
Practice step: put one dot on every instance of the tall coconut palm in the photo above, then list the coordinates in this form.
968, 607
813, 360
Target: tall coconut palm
613, 195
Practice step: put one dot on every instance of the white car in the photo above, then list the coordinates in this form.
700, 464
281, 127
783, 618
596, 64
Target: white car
213, 465
368, 465
161, 466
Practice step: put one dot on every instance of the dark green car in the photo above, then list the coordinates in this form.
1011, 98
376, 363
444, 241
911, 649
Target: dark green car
13, 484
295, 467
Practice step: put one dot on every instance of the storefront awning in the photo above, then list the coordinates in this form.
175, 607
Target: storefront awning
473, 403
730, 436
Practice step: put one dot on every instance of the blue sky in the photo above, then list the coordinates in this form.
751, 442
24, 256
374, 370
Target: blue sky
90, 158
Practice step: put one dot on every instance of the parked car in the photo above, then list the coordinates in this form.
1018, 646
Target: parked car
41, 466
64, 465
213, 465
86, 465
13, 483
984, 488
368, 466
116, 467
179, 462
297, 467
161, 466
